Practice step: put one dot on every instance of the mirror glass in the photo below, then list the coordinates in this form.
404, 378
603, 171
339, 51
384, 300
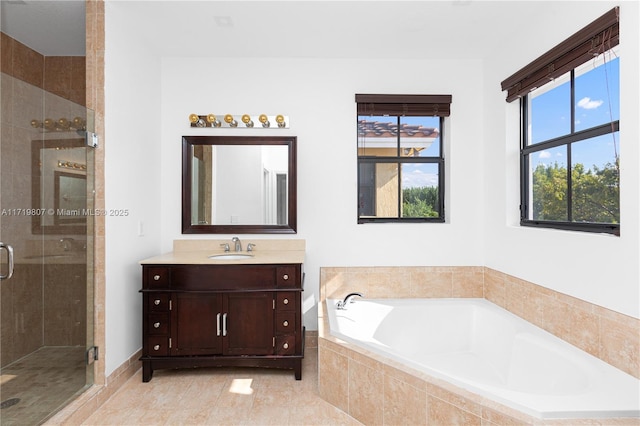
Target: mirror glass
59, 186
235, 184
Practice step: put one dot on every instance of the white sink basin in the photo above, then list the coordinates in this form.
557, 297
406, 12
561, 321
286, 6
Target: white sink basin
230, 256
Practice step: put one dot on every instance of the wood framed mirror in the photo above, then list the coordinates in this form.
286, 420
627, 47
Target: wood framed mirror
239, 185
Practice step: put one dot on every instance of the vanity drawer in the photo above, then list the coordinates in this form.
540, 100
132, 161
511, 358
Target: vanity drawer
285, 322
158, 302
158, 277
158, 345
287, 277
222, 277
286, 345
158, 324
286, 301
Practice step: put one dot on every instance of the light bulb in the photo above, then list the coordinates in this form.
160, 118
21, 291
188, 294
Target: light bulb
246, 119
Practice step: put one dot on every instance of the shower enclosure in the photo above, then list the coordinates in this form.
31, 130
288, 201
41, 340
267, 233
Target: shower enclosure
46, 231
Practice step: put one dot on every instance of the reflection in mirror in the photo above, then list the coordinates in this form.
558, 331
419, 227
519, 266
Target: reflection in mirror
239, 184
254, 194
59, 188
70, 196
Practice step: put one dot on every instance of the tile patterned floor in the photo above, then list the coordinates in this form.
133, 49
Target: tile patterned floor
43, 381
217, 396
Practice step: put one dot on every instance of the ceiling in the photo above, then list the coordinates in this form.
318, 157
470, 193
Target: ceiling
51, 27
304, 28
321, 29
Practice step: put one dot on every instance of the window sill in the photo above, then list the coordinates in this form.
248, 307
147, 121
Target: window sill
612, 229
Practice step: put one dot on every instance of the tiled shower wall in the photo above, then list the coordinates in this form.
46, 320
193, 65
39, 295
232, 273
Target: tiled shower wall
606, 334
61, 75
34, 86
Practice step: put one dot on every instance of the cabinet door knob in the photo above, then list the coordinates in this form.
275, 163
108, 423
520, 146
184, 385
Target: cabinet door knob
156, 302
286, 346
156, 277
156, 347
156, 325
285, 301
285, 323
285, 277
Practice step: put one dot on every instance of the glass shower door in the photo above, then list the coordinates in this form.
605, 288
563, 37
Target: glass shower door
46, 216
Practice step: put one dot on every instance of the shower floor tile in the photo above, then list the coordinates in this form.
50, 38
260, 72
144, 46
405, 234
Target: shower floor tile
42, 381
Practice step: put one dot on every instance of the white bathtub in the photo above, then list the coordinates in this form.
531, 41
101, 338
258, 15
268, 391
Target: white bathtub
485, 349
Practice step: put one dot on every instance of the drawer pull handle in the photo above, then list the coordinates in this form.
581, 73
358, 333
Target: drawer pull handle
286, 346
218, 324
156, 302
156, 347
285, 323
285, 277
156, 325
285, 301
156, 277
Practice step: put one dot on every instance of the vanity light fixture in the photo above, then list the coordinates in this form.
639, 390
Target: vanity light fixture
64, 124
196, 120
246, 119
212, 120
49, 124
230, 121
71, 165
264, 120
249, 121
59, 125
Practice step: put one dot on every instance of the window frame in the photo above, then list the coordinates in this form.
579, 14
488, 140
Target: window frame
600, 36
399, 106
562, 141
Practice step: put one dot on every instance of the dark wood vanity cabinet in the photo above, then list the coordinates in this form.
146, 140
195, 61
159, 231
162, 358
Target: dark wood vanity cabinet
222, 315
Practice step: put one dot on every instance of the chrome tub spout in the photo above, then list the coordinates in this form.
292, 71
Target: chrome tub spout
343, 303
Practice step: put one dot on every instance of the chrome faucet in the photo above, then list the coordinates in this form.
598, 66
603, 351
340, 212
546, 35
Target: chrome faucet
342, 304
238, 244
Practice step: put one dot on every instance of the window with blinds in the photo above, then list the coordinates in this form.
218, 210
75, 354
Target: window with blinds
570, 118
400, 157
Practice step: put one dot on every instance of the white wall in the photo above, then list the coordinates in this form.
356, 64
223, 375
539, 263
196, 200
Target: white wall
318, 96
132, 176
601, 269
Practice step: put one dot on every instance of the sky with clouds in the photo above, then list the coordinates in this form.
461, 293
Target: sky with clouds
598, 102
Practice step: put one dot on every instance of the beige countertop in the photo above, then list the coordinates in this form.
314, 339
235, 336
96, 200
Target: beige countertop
197, 252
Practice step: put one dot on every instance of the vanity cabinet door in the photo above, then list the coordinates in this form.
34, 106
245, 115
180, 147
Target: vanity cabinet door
250, 323
224, 323
196, 324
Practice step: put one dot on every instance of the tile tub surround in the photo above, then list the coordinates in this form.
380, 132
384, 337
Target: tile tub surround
376, 390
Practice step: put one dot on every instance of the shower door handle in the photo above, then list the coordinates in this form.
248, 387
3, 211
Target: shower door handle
9, 249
